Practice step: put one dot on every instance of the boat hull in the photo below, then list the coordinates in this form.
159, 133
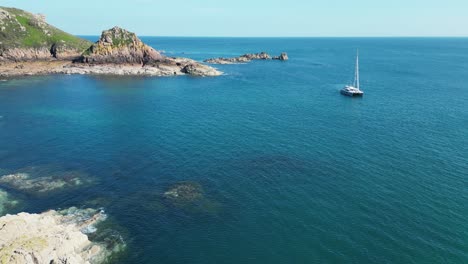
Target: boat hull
352, 94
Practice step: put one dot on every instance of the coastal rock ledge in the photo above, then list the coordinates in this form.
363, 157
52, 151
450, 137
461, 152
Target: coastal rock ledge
51, 237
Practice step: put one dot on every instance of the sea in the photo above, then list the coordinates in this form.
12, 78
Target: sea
282, 167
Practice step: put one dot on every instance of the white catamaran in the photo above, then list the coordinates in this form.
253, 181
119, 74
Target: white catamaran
353, 90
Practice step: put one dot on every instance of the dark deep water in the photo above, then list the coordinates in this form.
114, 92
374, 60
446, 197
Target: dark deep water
292, 172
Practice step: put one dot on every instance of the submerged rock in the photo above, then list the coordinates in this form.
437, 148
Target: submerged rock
24, 182
185, 192
190, 197
6, 202
51, 237
247, 58
84, 219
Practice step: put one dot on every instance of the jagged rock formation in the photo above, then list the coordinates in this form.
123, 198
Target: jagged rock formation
118, 45
25, 37
283, 57
247, 58
51, 237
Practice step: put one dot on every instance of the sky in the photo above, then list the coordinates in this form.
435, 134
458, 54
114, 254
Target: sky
256, 18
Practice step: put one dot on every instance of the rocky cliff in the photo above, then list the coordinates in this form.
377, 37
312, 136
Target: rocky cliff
25, 36
118, 45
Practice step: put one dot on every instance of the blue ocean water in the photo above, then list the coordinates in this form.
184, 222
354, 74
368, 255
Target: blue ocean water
292, 172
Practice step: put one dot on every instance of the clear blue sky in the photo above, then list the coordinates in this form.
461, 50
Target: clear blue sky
256, 17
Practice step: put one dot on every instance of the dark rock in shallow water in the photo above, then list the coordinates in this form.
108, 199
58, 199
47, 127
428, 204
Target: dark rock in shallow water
190, 197
247, 58
185, 192
282, 57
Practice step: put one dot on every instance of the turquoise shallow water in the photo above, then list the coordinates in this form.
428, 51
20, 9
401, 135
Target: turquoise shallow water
292, 172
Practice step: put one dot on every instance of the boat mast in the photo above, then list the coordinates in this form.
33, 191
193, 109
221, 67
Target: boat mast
356, 77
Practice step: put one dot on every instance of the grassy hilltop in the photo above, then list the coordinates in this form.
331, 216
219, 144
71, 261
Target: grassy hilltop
23, 30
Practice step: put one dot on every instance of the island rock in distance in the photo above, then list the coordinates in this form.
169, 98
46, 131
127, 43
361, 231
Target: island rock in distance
247, 58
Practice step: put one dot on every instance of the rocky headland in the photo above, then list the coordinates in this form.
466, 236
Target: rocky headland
52, 237
30, 46
248, 58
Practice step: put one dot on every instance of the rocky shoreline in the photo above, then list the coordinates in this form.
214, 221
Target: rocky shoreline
117, 52
176, 67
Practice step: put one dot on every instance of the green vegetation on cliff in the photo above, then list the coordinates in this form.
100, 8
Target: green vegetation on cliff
21, 29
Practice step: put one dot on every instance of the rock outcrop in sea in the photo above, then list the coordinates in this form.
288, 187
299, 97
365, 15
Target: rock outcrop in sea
282, 57
119, 46
247, 58
52, 237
